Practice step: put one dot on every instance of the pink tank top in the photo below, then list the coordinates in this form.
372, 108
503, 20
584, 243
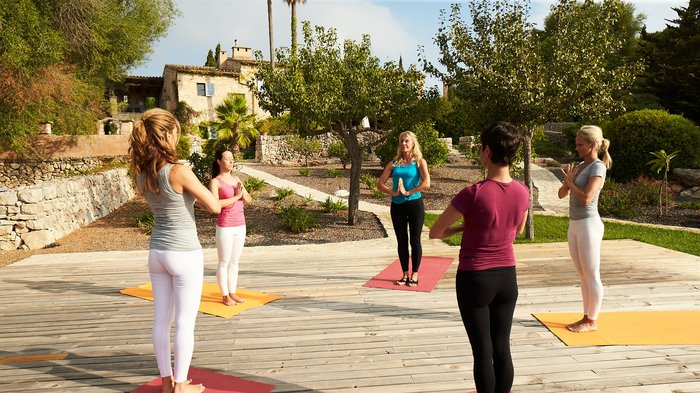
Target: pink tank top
231, 215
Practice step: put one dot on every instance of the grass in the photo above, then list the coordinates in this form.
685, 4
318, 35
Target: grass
549, 229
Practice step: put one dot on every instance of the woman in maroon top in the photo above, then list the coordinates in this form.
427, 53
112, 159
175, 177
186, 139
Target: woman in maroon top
494, 212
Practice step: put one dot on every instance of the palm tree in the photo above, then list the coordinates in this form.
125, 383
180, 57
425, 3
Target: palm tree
269, 31
235, 123
662, 163
293, 3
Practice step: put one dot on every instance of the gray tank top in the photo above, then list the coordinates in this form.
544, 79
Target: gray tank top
174, 228
577, 210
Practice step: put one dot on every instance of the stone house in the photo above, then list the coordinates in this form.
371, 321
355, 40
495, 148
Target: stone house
202, 88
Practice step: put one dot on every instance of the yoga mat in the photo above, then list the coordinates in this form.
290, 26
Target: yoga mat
213, 383
629, 328
431, 271
211, 299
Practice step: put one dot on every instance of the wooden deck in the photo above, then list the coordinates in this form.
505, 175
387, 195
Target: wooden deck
64, 327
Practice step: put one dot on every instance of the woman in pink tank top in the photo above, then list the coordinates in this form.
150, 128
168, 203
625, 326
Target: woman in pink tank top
230, 226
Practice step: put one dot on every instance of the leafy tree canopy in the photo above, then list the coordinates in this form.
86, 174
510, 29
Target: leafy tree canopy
673, 62
332, 87
57, 57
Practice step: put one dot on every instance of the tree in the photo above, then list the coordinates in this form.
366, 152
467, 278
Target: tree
492, 65
307, 147
211, 61
583, 50
58, 57
235, 123
217, 57
329, 88
672, 57
662, 163
502, 69
293, 4
269, 32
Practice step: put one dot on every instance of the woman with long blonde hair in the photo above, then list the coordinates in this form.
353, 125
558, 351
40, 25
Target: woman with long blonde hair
583, 183
409, 173
175, 259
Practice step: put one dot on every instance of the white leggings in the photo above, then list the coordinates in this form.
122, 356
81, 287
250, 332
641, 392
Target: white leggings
229, 246
585, 238
177, 278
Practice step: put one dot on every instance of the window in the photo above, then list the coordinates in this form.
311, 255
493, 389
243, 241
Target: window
205, 89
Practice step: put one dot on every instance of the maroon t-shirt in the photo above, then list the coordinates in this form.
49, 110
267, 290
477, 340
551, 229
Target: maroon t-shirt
492, 212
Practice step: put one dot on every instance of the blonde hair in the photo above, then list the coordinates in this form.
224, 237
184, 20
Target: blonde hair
415, 152
149, 147
594, 134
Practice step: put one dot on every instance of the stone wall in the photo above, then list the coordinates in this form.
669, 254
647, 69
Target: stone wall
275, 150
26, 172
35, 216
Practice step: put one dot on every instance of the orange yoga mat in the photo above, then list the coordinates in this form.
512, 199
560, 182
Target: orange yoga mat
213, 383
431, 271
629, 328
211, 299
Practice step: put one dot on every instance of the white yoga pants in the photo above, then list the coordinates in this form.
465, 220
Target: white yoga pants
585, 239
229, 247
177, 278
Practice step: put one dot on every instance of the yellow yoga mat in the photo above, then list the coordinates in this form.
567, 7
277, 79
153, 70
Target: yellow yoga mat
629, 328
211, 299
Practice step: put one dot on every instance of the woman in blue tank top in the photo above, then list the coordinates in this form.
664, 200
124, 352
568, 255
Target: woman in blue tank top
409, 177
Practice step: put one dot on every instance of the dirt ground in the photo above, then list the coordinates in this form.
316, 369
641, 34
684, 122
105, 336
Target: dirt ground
117, 231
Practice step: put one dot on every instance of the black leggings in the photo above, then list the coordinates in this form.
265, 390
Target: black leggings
408, 217
486, 302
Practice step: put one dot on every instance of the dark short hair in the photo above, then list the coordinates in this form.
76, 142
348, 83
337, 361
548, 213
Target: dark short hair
503, 139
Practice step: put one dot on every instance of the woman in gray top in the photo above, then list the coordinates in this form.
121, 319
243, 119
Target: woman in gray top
583, 183
175, 259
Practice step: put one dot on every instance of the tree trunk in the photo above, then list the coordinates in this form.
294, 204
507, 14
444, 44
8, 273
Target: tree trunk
527, 174
269, 30
294, 28
353, 147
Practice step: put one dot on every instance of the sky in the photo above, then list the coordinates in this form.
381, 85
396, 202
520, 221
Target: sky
397, 27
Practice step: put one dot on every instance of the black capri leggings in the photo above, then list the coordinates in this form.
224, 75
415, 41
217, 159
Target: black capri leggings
486, 300
408, 217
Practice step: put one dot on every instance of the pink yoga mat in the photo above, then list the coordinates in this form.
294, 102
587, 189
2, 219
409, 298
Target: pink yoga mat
213, 383
431, 271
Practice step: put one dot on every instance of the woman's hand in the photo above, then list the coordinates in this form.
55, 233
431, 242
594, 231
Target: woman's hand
400, 190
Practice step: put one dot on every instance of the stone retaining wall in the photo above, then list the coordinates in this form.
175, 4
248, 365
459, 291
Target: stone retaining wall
25, 172
33, 217
275, 150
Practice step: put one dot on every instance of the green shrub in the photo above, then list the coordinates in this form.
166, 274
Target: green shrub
334, 173
253, 184
201, 166
434, 150
144, 221
338, 150
625, 200
332, 206
369, 180
283, 193
183, 147
635, 134
693, 205
307, 147
306, 172
376, 194
297, 219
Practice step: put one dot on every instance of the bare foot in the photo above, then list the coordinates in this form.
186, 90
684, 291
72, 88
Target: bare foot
587, 325
236, 298
187, 387
575, 324
227, 300
167, 385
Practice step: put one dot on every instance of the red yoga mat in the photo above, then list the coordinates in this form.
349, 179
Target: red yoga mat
431, 271
213, 383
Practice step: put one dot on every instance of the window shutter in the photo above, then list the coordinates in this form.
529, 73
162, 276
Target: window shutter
210, 89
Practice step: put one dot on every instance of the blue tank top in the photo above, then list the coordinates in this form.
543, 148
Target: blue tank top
411, 179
